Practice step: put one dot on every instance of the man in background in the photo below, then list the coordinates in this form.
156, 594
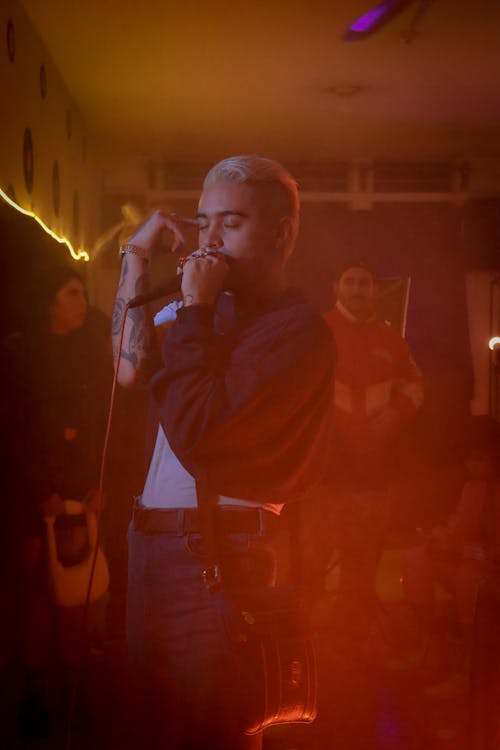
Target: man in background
377, 392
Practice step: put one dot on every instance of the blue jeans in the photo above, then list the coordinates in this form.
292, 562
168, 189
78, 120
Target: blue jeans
175, 639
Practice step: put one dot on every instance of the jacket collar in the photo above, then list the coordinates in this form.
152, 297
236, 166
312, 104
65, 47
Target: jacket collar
352, 318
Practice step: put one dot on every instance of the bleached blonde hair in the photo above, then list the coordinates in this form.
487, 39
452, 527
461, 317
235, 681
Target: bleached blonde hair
259, 170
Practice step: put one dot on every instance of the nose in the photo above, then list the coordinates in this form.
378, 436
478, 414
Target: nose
215, 244
213, 240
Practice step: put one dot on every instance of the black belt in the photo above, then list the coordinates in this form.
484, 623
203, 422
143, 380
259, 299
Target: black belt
181, 521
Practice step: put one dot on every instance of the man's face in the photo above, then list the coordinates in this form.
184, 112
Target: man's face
356, 291
236, 218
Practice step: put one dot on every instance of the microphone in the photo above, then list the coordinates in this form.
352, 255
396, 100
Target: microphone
162, 290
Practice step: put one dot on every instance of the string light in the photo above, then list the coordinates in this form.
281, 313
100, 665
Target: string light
76, 254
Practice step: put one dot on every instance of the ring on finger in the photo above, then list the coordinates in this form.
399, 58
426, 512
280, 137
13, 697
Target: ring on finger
184, 259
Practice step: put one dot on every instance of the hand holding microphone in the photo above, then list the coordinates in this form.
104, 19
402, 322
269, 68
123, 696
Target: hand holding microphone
205, 270
202, 282
203, 275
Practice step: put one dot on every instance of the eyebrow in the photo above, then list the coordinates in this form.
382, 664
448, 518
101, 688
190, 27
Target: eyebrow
228, 212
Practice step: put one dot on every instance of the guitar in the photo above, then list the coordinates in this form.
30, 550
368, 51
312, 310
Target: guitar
72, 544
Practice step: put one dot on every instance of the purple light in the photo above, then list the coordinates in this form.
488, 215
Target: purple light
375, 18
365, 23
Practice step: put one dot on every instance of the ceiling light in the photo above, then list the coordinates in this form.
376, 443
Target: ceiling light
346, 90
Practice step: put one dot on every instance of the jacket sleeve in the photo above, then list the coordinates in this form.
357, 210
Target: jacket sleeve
250, 413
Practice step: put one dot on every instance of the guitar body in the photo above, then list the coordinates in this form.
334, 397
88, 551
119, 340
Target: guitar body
72, 546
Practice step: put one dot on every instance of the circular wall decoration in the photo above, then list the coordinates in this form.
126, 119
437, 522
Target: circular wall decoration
28, 160
11, 40
56, 188
69, 124
76, 214
43, 81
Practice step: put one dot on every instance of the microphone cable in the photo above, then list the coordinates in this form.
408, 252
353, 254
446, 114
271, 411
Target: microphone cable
85, 613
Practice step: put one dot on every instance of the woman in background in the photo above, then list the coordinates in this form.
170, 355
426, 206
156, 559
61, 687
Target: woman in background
59, 374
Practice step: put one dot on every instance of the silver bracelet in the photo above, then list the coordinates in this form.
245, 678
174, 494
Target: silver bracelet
135, 250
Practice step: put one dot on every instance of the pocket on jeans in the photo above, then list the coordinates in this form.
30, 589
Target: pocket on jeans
252, 566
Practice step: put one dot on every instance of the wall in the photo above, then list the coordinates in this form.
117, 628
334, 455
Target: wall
48, 163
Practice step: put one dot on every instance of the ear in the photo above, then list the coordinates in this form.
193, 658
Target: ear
285, 235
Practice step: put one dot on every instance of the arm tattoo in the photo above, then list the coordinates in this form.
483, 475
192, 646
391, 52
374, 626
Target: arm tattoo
117, 318
138, 344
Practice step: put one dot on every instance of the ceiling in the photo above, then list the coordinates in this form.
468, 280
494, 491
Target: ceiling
199, 80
